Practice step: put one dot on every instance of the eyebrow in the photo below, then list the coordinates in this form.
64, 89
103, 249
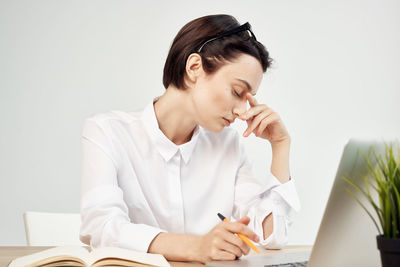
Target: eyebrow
247, 85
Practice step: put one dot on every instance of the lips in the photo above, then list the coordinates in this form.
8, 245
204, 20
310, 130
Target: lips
227, 122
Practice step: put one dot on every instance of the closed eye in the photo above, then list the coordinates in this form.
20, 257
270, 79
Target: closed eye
236, 93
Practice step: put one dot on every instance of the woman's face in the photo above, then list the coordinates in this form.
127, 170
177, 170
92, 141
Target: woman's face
220, 97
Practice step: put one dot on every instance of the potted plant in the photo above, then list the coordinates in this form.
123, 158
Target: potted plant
383, 178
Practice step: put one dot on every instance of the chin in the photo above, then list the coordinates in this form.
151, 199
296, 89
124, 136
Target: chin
214, 125
216, 129
213, 128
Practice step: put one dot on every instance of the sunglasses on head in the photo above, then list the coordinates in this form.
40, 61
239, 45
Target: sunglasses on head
244, 27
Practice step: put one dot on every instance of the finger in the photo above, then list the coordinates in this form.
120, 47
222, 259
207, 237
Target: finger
265, 122
252, 100
237, 242
256, 121
245, 220
253, 111
235, 227
222, 255
249, 121
231, 248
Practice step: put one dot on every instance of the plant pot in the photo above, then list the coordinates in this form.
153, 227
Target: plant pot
390, 251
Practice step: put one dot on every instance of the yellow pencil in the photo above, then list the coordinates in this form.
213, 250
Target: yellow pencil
243, 237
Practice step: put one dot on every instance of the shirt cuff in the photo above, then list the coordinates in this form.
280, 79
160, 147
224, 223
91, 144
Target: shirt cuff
287, 192
282, 201
279, 236
137, 236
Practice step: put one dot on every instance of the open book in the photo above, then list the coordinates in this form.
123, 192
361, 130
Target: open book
76, 256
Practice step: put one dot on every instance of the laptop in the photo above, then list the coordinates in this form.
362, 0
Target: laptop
347, 235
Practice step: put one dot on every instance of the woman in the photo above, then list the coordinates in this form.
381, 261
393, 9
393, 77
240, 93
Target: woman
154, 180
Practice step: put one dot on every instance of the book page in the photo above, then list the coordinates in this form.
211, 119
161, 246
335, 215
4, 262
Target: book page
76, 254
96, 256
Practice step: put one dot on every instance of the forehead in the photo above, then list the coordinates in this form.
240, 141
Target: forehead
245, 70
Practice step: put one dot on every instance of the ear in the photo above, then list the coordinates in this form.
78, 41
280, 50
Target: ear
194, 67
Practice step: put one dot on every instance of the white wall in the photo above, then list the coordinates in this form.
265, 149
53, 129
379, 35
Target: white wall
336, 75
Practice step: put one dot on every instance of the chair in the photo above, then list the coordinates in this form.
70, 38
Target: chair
52, 229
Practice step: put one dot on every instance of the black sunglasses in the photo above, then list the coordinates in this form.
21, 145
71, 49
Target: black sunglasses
244, 27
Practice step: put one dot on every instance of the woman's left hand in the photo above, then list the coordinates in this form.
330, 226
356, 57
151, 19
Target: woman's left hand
264, 122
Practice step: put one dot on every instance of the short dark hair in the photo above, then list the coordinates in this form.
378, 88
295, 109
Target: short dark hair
214, 54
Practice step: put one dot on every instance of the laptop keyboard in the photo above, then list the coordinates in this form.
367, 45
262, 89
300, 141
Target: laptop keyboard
294, 264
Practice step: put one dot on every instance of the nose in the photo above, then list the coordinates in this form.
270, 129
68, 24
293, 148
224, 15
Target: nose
239, 108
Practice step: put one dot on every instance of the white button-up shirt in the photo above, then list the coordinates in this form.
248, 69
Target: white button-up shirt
136, 183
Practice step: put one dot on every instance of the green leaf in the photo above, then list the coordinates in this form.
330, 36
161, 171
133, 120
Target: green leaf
383, 177
362, 205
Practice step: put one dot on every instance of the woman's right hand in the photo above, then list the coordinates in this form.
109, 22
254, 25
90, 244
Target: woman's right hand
222, 243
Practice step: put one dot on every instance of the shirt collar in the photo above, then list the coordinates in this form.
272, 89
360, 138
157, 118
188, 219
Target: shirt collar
187, 148
165, 146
